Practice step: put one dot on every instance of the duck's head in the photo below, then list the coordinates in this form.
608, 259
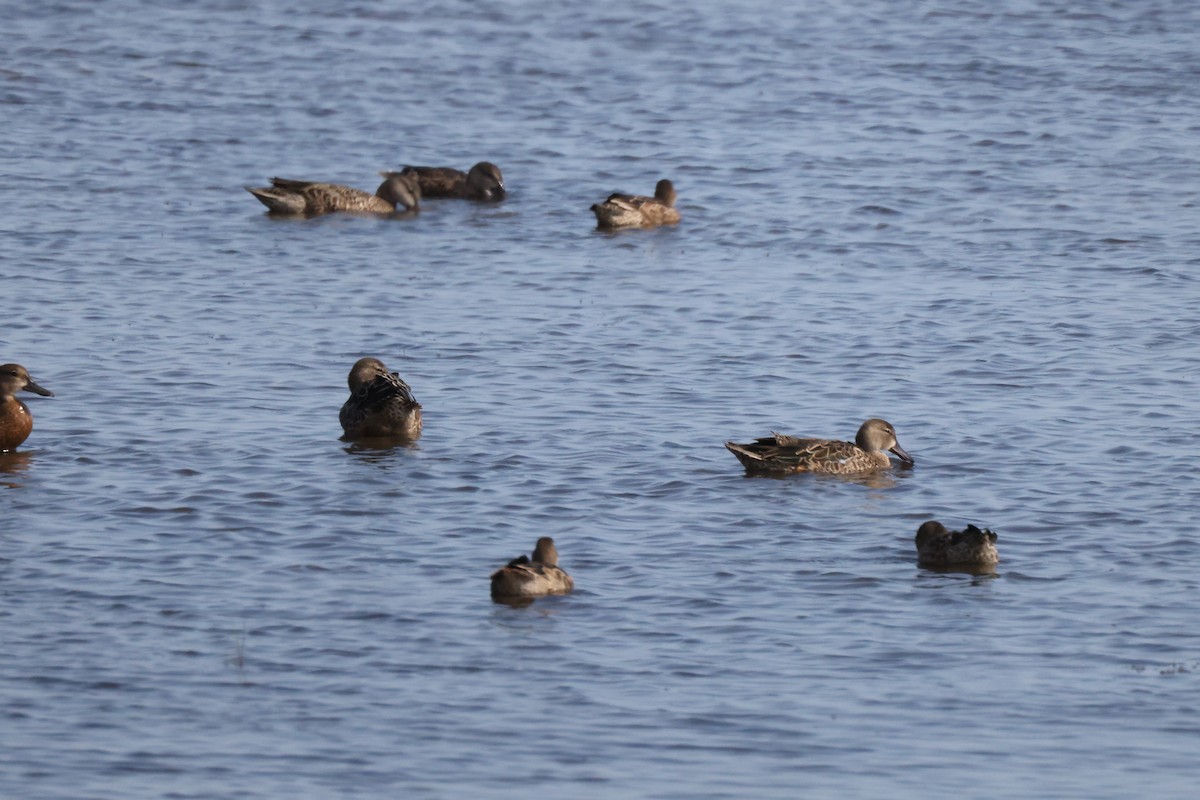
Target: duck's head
401, 190
664, 192
485, 181
364, 371
15, 378
930, 531
877, 435
545, 551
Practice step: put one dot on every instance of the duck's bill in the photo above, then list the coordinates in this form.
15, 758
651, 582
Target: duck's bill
33, 387
903, 456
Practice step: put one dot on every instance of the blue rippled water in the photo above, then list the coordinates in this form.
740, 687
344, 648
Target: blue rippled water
976, 220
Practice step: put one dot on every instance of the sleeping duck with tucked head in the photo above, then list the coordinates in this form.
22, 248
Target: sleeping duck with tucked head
778, 454
381, 404
939, 547
525, 578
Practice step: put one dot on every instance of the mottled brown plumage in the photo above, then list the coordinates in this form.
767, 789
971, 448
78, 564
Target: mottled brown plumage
525, 578
632, 211
939, 547
309, 198
483, 182
380, 405
779, 454
16, 423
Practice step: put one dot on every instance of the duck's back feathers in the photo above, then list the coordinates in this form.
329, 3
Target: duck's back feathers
630, 211
783, 454
483, 182
311, 198
939, 547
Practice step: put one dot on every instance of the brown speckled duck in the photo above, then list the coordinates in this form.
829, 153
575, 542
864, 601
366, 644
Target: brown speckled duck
380, 404
526, 578
779, 455
938, 547
483, 182
307, 198
634, 211
16, 422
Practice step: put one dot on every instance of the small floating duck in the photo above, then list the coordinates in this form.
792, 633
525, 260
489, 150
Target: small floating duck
938, 547
634, 211
483, 182
524, 577
308, 198
380, 404
780, 455
16, 422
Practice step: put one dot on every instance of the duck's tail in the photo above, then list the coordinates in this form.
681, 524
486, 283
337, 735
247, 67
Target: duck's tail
279, 202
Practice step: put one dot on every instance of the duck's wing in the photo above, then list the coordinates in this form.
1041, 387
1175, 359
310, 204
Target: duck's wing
782, 452
647, 210
384, 390
632, 201
322, 198
279, 201
289, 185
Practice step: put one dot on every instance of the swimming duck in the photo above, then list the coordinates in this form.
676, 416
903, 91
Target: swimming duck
16, 422
938, 547
308, 198
483, 182
779, 454
631, 211
380, 404
526, 577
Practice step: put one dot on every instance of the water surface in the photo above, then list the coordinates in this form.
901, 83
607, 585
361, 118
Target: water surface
974, 220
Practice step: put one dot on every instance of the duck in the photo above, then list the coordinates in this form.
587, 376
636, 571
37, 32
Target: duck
285, 197
939, 547
781, 455
634, 211
528, 577
380, 404
482, 182
16, 423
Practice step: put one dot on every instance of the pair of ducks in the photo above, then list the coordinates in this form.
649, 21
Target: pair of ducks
780, 455
399, 192
381, 405
525, 578
402, 192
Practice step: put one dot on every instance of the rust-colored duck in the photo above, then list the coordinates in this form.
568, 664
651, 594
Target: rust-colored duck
16, 423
